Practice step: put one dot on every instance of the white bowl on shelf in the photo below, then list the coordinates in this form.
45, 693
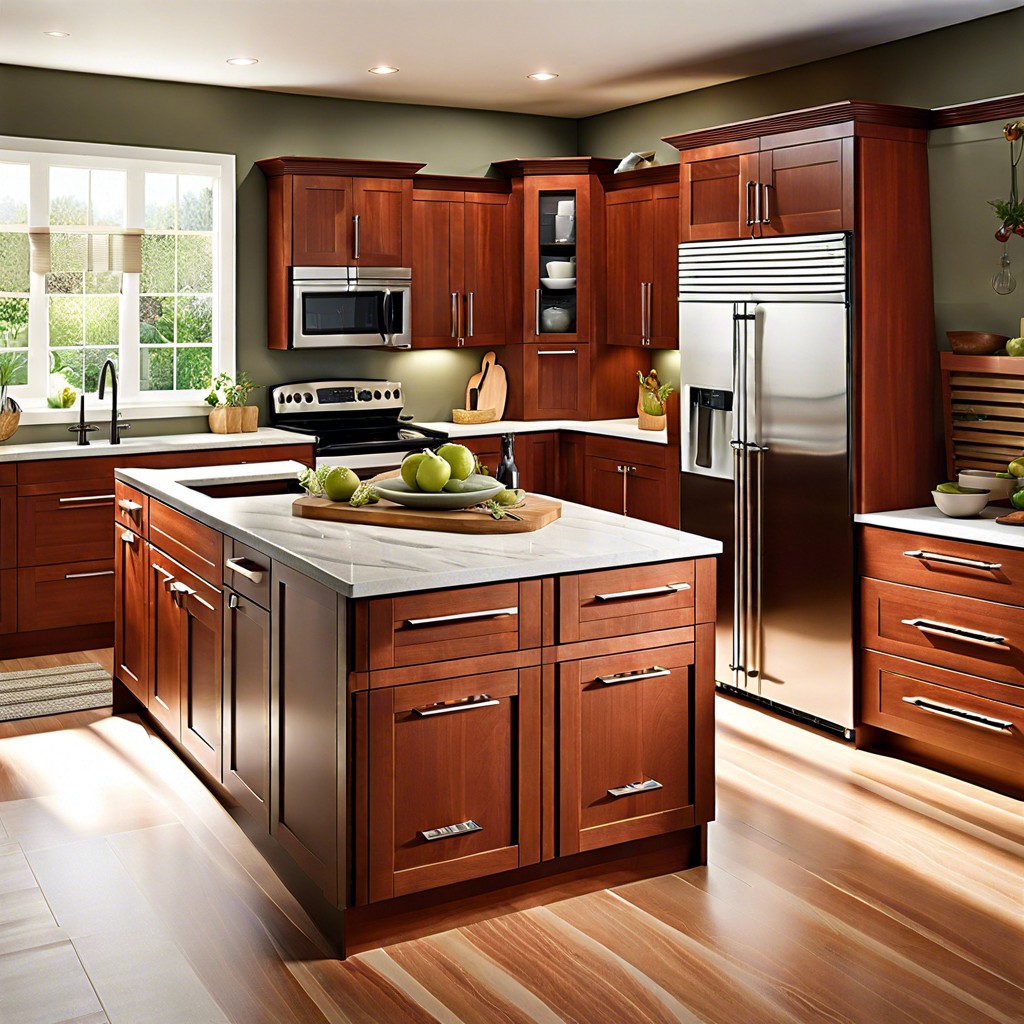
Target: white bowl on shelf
960, 506
558, 283
999, 487
561, 268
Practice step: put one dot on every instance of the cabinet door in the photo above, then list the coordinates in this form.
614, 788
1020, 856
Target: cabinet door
247, 706
202, 655
164, 642
652, 495
625, 758
486, 449
556, 379
809, 188
322, 227
71, 527
537, 459
571, 467
663, 278
381, 232
714, 198
485, 318
437, 263
8, 600
629, 226
454, 781
606, 485
8, 527
131, 570
306, 735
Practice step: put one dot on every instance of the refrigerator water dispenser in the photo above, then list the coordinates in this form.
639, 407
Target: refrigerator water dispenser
707, 430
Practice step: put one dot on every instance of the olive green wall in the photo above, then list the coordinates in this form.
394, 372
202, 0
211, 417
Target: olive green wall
96, 108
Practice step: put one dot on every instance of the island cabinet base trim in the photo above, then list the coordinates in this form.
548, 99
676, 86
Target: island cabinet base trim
90, 637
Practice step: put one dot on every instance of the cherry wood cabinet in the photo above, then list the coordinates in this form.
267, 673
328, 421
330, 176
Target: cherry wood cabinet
8, 526
454, 780
131, 600
537, 458
324, 212
572, 455
8, 600
633, 479
163, 640
202, 674
941, 679
71, 527
461, 266
641, 257
67, 595
556, 380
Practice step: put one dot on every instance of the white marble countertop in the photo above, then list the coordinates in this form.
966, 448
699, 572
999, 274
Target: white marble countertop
930, 521
365, 561
626, 428
143, 445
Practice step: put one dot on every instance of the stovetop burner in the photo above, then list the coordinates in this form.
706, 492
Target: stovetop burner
351, 416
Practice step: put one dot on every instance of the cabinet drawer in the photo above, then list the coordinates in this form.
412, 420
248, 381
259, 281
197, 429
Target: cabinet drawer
618, 602
194, 545
940, 707
71, 527
443, 625
66, 476
645, 453
131, 509
961, 633
953, 566
70, 594
247, 571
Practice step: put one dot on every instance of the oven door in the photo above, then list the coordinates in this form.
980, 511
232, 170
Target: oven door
332, 314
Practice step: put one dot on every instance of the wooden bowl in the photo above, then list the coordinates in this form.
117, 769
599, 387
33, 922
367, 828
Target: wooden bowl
975, 343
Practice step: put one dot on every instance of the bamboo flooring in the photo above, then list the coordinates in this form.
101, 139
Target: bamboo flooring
842, 887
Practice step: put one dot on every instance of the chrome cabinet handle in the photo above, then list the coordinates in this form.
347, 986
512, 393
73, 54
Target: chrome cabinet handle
447, 707
536, 314
130, 507
766, 217
750, 219
625, 469
455, 314
177, 587
355, 236
960, 714
86, 497
85, 575
447, 831
128, 537
489, 613
556, 352
971, 636
969, 563
668, 588
237, 565
643, 312
647, 786
469, 325
654, 672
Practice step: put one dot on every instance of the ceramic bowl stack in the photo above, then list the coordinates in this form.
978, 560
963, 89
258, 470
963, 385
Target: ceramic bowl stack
561, 275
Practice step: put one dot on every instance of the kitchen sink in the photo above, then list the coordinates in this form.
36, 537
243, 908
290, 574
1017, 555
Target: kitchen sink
249, 488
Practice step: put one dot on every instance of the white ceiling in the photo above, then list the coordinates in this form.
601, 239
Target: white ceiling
466, 53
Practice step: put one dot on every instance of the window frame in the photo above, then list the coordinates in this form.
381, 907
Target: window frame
136, 161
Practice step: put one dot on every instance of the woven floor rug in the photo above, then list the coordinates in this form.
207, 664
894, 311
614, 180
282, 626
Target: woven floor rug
51, 691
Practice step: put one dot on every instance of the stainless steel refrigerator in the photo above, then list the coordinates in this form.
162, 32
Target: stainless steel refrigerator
765, 417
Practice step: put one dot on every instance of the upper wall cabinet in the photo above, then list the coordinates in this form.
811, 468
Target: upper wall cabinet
332, 213
463, 261
641, 234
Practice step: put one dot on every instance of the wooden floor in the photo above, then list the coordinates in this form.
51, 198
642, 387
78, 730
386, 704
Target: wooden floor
842, 887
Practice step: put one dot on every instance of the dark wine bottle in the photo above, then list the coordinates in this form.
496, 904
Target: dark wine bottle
507, 472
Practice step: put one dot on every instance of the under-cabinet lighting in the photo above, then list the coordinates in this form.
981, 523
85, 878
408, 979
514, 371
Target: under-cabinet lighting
242, 62
542, 76
57, 35
382, 69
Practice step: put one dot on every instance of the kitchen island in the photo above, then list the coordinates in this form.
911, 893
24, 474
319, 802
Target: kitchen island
420, 728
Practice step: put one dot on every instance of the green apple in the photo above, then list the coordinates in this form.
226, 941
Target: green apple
1017, 499
1016, 468
340, 483
1015, 347
410, 464
432, 473
459, 457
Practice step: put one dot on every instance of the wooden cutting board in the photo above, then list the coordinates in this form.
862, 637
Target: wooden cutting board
491, 385
534, 514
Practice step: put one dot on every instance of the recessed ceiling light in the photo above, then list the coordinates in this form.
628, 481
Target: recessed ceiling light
242, 62
382, 69
57, 35
542, 76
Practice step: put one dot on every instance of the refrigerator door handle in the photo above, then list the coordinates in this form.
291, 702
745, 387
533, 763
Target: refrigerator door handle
751, 216
738, 444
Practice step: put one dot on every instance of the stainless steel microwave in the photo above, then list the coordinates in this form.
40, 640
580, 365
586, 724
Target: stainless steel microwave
337, 307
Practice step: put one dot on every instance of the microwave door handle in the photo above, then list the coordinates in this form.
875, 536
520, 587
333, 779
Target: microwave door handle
386, 332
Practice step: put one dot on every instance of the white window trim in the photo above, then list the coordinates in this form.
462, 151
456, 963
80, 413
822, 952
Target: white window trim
141, 404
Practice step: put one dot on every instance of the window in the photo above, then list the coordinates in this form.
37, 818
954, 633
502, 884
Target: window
114, 252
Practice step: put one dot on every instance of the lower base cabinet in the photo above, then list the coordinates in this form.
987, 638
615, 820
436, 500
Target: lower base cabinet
131, 568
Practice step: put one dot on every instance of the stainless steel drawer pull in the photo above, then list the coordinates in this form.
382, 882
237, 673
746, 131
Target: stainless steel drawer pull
654, 672
86, 575
646, 592
971, 636
647, 786
488, 613
86, 497
128, 537
177, 587
129, 506
970, 563
556, 351
250, 570
960, 714
446, 707
447, 831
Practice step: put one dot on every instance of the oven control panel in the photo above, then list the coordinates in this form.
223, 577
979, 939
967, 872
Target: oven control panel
336, 396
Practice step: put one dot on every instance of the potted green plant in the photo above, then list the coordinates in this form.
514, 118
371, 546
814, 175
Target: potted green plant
12, 363
228, 396
650, 404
